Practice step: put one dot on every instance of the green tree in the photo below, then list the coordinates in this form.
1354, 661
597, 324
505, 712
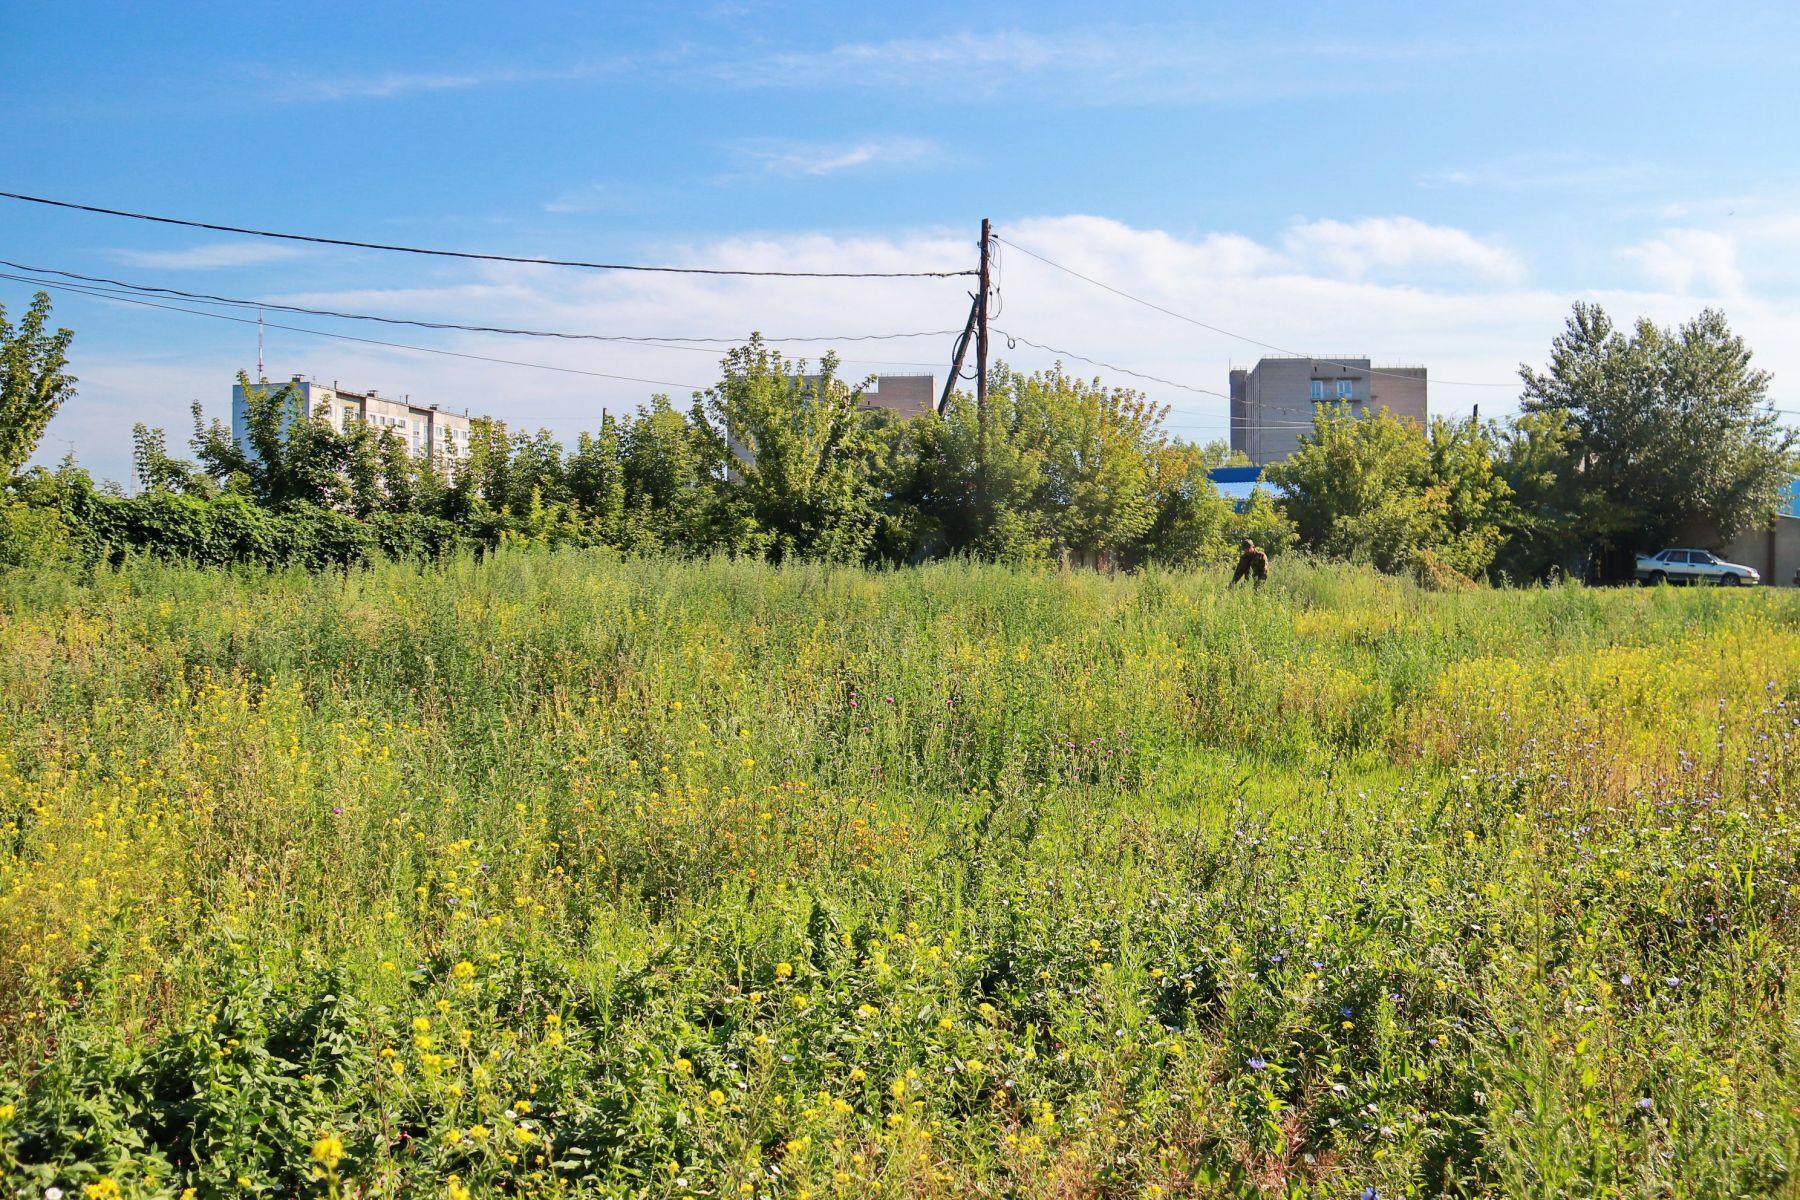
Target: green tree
536, 468
596, 479
1537, 455
801, 451
1056, 466
155, 470
1262, 521
1191, 517
290, 457
33, 383
1355, 488
1672, 429
1377, 490
1471, 499
1099, 446
980, 478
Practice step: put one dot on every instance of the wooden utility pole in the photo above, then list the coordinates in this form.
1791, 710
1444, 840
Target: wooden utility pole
977, 328
981, 328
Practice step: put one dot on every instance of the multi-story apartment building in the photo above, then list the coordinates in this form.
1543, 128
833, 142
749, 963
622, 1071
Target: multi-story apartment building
1272, 403
422, 429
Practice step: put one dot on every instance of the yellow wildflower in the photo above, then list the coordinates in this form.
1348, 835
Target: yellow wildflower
328, 1151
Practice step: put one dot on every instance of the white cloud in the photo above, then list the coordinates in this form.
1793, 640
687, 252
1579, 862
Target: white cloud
1690, 261
211, 256
1393, 289
779, 157
1396, 244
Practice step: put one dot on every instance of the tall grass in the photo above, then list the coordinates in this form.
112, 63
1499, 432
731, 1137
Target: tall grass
562, 874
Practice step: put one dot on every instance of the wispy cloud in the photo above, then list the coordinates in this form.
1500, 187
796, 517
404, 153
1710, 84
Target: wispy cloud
1097, 65
295, 87
781, 157
211, 256
605, 196
1535, 172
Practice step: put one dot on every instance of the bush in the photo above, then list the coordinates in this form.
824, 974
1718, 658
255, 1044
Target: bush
30, 536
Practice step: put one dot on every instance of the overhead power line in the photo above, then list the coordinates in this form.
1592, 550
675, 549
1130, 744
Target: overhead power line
465, 254
344, 337
669, 341
1242, 337
1094, 362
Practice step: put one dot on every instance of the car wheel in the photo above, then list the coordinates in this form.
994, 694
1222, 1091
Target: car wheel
1731, 581
1657, 579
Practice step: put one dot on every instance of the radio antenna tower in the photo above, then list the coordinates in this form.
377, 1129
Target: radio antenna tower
260, 376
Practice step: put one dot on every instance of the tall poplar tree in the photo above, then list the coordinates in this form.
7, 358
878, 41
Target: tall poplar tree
33, 384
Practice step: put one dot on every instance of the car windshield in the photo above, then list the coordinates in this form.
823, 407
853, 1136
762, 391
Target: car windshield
1701, 556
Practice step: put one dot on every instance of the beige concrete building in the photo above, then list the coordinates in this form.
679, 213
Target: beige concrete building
1272, 403
903, 395
422, 429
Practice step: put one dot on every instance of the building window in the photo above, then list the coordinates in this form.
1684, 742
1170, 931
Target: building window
1343, 389
1318, 391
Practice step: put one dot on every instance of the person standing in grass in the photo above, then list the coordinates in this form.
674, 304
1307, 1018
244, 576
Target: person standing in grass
1252, 563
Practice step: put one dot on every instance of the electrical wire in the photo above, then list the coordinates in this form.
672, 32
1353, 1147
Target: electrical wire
666, 342
1228, 333
464, 254
1012, 338
344, 337
994, 278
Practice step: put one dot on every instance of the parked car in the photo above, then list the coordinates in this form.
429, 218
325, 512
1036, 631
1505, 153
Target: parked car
1693, 566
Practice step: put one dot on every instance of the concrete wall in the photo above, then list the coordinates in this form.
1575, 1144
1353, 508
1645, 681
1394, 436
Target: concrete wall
1272, 404
904, 395
1774, 550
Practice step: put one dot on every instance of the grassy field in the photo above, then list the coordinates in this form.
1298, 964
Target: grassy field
565, 875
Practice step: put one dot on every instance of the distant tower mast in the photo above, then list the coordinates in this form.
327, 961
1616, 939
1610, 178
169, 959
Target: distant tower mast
261, 377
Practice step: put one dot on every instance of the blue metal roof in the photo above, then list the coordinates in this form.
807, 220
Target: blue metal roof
1237, 484
1235, 474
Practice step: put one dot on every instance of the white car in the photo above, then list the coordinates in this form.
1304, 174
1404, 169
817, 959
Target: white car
1693, 566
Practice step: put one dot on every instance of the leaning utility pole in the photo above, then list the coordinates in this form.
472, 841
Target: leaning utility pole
956, 359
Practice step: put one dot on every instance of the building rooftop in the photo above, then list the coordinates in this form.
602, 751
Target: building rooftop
1359, 361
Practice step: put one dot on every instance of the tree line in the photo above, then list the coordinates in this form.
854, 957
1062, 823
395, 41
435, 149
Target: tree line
1623, 438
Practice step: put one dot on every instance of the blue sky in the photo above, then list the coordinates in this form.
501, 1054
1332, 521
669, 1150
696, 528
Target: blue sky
1418, 183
